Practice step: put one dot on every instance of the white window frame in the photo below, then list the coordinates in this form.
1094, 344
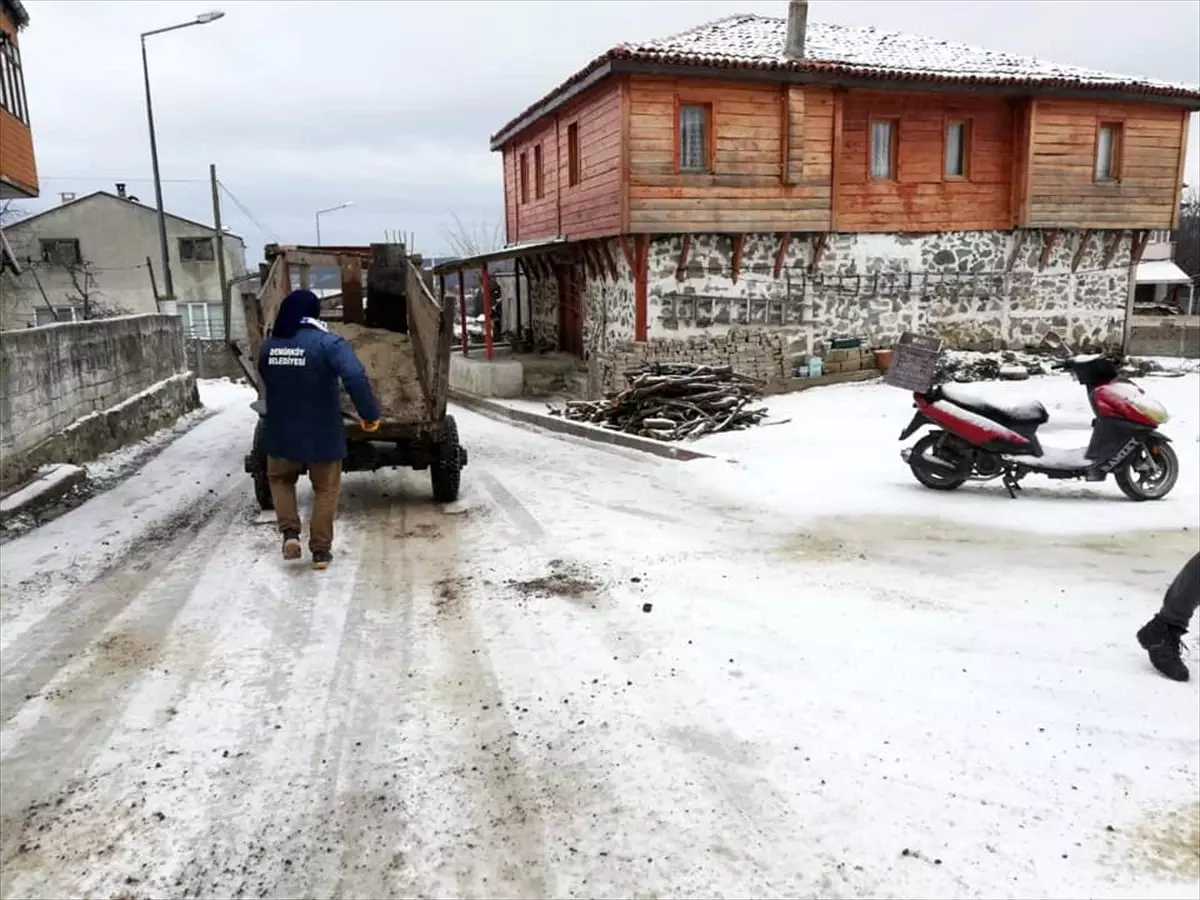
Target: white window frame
204, 321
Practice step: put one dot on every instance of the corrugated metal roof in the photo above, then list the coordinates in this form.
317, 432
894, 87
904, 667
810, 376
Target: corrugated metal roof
757, 42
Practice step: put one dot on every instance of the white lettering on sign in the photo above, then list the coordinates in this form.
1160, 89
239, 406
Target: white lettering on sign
286, 356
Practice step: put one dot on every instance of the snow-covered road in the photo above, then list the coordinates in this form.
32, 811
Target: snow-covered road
601, 675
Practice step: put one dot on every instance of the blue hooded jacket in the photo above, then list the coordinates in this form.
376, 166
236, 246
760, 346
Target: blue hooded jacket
301, 364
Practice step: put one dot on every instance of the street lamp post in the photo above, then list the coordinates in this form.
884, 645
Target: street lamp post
321, 212
202, 19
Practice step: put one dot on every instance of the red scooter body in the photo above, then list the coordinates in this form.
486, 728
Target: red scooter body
983, 439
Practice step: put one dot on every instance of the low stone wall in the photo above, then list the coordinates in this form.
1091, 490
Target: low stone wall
1165, 336
73, 391
758, 353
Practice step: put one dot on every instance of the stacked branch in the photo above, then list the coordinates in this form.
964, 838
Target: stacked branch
673, 401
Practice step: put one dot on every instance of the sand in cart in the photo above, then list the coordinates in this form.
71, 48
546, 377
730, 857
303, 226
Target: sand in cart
391, 367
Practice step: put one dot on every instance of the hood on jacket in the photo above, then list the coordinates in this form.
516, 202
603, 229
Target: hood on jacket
296, 306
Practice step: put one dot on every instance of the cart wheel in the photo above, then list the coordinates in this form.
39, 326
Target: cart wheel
446, 471
262, 487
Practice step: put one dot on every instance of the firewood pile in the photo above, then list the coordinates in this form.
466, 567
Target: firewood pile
672, 401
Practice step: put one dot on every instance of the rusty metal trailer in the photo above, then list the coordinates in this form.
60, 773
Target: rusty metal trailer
402, 335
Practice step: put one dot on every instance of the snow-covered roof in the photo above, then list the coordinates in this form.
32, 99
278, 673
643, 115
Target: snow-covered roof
757, 42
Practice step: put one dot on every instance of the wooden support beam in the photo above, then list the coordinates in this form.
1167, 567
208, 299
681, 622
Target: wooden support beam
785, 127
735, 266
486, 290
627, 249
834, 163
785, 241
1138, 247
606, 253
1113, 246
352, 288
1018, 245
681, 269
1049, 239
640, 287
818, 250
1081, 249
593, 257
462, 310
305, 276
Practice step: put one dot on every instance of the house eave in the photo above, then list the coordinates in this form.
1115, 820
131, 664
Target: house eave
554, 101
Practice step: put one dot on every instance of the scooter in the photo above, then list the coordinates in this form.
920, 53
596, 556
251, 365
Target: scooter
979, 439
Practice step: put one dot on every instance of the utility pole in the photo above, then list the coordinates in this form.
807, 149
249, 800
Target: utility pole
226, 306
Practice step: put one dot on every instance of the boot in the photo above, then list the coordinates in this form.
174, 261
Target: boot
321, 559
291, 545
1164, 643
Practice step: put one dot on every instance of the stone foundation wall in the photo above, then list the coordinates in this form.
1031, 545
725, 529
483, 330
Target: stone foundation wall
876, 286
73, 391
543, 310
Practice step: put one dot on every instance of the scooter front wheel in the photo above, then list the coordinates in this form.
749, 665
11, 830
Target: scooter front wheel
931, 469
1150, 472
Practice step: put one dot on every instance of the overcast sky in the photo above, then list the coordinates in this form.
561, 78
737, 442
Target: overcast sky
304, 105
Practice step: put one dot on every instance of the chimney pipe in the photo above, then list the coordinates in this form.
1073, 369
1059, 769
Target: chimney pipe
797, 28
121, 190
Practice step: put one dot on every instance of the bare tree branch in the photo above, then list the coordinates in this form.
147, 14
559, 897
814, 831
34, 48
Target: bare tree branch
473, 240
10, 213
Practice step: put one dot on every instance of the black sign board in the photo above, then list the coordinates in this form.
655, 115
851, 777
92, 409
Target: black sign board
914, 360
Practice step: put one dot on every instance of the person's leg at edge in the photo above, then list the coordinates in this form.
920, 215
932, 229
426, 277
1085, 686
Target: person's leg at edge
282, 475
326, 480
1162, 636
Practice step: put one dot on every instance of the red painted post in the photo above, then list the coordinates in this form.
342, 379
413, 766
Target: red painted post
462, 310
486, 287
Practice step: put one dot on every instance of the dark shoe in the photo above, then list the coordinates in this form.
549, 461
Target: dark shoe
322, 559
1164, 643
291, 545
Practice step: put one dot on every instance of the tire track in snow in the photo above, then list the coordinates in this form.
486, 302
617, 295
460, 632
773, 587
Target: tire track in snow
43, 761
67, 629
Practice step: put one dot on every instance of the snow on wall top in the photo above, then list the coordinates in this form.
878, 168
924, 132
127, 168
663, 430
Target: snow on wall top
757, 42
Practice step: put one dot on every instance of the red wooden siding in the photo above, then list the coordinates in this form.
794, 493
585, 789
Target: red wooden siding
745, 190
920, 197
1062, 190
592, 207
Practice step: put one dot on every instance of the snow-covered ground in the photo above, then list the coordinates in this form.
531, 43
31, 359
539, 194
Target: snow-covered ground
788, 671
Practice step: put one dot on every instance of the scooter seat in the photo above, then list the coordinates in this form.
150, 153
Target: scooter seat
1016, 412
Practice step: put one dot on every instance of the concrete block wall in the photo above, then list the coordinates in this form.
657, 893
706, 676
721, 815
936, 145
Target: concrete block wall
68, 378
1165, 336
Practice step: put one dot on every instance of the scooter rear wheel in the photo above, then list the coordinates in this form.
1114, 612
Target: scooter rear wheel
938, 478
1150, 473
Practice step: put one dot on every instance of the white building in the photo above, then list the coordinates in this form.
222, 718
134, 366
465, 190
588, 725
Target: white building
100, 255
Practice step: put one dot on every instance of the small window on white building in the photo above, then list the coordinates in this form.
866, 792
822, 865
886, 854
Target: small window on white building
61, 251
204, 321
196, 249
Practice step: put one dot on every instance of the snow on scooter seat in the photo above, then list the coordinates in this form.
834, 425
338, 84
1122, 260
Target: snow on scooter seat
972, 396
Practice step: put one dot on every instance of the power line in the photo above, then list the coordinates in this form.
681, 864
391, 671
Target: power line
249, 215
120, 178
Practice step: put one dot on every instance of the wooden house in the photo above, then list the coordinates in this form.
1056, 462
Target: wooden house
781, 184
18, 170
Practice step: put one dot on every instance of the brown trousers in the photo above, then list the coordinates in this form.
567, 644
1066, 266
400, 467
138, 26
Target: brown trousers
326, 478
